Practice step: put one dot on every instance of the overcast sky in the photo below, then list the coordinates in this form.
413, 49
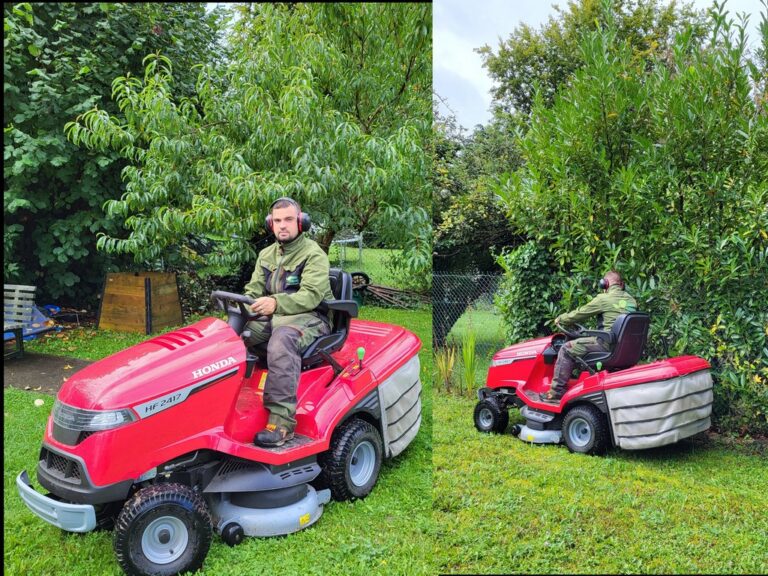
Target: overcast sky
460, 26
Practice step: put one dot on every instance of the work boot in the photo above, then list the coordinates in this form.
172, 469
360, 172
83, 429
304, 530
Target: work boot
273, 435
549, 398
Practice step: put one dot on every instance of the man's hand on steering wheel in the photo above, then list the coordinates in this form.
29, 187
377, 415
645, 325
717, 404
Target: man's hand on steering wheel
264, 306
573, 334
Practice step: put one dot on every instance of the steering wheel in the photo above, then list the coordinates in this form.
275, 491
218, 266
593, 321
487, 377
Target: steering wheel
236, 305
571, 333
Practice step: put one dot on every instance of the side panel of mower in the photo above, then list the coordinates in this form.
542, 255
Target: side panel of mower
400, 400
660, 412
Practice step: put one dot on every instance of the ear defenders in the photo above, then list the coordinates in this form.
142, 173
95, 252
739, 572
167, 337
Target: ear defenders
305, 223
603, 284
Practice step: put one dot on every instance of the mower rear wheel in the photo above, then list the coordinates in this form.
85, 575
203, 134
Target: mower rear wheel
585, 430
490, 416
163, 530
352, 463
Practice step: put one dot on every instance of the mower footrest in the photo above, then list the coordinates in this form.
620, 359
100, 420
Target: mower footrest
295, 442
534, 415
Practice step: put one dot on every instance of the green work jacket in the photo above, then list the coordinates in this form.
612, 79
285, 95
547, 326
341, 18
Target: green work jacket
606, 306
295, 274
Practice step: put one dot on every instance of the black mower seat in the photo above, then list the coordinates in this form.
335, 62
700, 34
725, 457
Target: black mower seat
342, 309
627, 338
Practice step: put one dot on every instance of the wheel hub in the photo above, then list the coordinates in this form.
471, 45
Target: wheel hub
485, 417
362, 463
580, 432
164, 540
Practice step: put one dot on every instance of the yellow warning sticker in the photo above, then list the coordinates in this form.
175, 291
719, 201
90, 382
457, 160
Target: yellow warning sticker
303, 520
263, 380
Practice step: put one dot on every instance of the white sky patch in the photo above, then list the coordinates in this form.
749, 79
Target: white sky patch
460, 27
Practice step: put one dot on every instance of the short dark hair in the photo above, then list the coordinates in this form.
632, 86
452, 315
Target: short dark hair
284, 203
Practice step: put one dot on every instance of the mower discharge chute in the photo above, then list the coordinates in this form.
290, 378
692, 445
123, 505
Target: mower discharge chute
612, 401
157, 440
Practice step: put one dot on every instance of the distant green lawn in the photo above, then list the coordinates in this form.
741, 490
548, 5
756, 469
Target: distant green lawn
387, 533
373, 263
504, 506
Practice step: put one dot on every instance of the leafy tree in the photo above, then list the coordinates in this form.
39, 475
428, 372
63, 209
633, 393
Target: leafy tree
467, 216
469, 221
59, 61
546, 58
324, 103
658, 169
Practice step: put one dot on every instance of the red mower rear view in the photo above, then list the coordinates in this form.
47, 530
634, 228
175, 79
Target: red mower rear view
612, 401
157, 439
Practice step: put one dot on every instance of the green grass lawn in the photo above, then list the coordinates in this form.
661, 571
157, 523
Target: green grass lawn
504, 506
387, 533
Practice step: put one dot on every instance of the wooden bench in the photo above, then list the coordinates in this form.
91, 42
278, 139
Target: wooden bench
19, 317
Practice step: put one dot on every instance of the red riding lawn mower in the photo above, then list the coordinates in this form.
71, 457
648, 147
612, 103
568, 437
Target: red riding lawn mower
156, 441
611, 402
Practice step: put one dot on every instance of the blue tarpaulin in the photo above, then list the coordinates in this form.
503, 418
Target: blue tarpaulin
39, 325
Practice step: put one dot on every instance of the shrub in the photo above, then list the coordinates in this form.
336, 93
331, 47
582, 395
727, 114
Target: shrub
469, 356
527, 292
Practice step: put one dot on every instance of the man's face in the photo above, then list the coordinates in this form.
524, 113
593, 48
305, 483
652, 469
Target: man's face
285, 223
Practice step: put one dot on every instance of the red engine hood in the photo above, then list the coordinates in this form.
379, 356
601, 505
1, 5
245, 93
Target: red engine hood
158, 366
531, 348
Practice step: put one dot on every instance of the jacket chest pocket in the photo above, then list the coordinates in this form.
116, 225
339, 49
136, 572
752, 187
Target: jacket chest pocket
290, 278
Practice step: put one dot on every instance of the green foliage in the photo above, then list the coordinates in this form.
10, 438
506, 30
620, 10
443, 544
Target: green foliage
59, 61
529, 59
467, 216
469, 360
657, 169
308, 106
528, 291
445, 360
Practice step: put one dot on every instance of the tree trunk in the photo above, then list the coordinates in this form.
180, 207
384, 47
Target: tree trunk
325, 239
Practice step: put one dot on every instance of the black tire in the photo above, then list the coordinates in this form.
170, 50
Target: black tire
490, 417
156, 518
585, 430
350, 467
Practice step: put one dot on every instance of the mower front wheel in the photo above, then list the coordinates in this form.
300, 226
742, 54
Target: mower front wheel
351, 465
163, 530
585, 430
490, 416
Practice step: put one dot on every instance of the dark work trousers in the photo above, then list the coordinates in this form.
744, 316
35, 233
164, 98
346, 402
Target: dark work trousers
566, 361
285, 337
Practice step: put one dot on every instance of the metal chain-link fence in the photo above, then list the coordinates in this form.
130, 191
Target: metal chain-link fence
462, 309
462, 303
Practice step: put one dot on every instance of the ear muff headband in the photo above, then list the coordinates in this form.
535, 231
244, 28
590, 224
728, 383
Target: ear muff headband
304, 220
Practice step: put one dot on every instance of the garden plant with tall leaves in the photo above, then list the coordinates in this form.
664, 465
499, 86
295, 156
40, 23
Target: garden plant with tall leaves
658, 169
327, 103
59, 61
